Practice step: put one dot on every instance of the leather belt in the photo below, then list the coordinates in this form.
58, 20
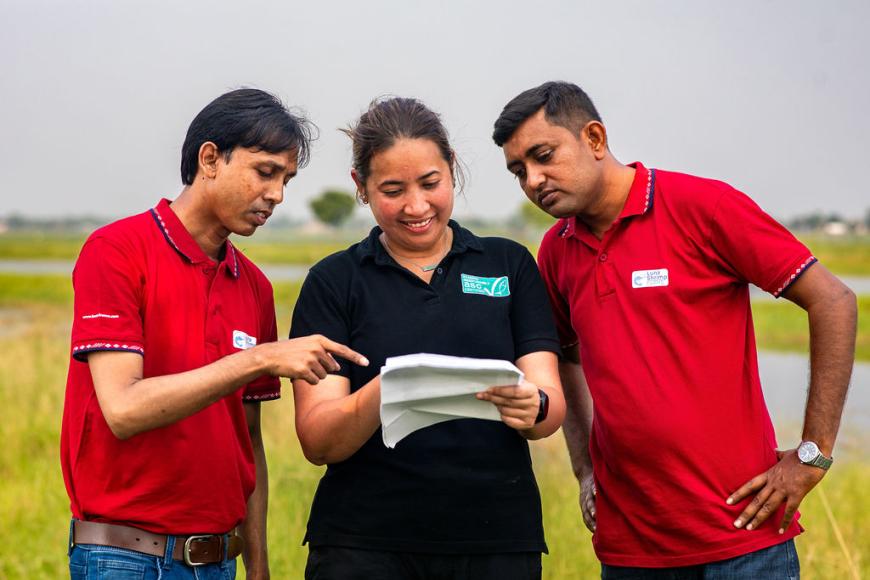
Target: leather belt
193, 550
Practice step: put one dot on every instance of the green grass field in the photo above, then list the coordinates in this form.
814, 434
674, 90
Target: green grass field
847, 256
34, 346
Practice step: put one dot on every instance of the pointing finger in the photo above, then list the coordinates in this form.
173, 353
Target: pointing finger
344, 352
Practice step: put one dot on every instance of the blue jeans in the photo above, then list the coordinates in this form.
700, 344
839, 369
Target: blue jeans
779, 562
91, 562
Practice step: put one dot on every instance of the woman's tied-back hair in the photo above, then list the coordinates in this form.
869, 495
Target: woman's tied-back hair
389, 119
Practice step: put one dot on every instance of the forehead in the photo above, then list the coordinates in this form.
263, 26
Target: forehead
287, 158
407, 156
535, 130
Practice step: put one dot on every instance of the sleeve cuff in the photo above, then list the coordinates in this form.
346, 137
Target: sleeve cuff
81, 350
537, 345
792, 277
265, 388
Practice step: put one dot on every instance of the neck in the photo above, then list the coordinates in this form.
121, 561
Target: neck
208, 233
426, 259
613, 190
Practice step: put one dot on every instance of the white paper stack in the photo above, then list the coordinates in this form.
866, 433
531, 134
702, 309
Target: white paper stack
419, 390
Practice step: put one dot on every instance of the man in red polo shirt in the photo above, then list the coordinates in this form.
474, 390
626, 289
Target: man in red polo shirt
173, 349
648, 273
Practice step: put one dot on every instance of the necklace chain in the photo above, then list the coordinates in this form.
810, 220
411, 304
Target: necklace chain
423, 267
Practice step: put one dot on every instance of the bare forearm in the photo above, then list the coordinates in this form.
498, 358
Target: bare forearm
335, 429
154, 402
578, 417
832, 349
253, 528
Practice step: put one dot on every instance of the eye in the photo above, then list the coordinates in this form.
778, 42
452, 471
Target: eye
520, 174
265, 174
431, 184
544, 155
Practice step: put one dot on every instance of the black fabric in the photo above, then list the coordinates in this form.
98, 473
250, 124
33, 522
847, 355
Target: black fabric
336, 563
464, 486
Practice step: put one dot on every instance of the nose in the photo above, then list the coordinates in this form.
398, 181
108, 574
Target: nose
275, 194
534, 178
416, 203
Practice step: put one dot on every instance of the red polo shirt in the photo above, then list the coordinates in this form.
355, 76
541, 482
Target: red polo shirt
660, 307
143, 285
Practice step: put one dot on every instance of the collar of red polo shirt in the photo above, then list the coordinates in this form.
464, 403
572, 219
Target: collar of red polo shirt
183, 243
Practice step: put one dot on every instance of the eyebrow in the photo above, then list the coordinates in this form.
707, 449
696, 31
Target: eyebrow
399, 182
530, 152
280, 168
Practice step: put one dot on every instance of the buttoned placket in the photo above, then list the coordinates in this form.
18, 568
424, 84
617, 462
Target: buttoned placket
605, 272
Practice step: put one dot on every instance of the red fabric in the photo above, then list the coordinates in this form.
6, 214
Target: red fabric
680, 421
143, 285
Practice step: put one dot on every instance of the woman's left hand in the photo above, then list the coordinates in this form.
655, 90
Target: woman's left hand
517, 404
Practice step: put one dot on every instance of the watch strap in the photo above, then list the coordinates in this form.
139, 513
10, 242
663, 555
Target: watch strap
544, 406
821, 461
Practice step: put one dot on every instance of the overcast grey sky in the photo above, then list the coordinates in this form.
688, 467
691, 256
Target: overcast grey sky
769, 96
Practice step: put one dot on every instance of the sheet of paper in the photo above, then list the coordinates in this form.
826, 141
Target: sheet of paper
419, 390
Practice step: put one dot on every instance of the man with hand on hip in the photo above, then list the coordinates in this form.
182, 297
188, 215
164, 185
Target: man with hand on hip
648, 272
173, 349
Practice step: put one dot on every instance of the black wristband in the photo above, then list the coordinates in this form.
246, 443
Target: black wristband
544, 407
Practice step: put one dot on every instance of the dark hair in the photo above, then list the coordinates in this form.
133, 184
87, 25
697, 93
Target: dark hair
248, 118
565, 104
392, 118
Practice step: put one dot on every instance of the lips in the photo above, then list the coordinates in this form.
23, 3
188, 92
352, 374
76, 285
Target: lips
547, 198
418, 225
261, 216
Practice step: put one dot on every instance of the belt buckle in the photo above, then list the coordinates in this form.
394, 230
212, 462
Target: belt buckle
187, 544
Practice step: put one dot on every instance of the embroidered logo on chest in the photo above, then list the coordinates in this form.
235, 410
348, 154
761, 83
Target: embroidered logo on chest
243, 341
492, 287
649, 278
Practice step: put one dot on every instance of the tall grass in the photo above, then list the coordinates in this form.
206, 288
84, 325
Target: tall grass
34, 510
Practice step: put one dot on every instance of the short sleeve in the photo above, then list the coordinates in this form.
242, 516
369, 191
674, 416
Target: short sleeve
266, 387
108, 286
754, 247
531, 319
319, 311
560, 309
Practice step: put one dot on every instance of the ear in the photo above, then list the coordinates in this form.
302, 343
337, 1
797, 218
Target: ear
596, 137
360, 187
208, 159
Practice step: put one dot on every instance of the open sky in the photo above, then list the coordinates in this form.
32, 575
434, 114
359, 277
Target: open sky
771, 96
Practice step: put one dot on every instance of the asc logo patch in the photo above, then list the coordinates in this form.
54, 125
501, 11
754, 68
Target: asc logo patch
492, 287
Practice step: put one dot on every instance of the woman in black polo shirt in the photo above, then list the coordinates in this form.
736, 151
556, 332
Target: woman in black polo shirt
457, 499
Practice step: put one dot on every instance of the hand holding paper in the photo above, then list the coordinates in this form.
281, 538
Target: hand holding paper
420, 390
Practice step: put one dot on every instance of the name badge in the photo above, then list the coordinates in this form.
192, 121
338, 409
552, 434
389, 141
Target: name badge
492, 287
649, 278
242, 340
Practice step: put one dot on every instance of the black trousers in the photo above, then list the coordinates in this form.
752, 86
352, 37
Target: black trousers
336, 563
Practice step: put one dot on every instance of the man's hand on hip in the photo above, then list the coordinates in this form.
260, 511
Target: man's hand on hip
788, 481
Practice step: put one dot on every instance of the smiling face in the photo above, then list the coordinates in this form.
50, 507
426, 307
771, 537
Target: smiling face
245, 189
559, 171
410, 190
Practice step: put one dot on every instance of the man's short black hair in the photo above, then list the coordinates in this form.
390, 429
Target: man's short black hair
565, 104
248, 118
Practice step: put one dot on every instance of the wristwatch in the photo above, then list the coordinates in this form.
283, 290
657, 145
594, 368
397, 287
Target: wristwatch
809, 454
544, 407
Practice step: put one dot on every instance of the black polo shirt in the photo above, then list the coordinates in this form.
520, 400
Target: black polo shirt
463, 486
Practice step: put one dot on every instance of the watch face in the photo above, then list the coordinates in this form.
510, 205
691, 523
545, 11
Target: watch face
808, 451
